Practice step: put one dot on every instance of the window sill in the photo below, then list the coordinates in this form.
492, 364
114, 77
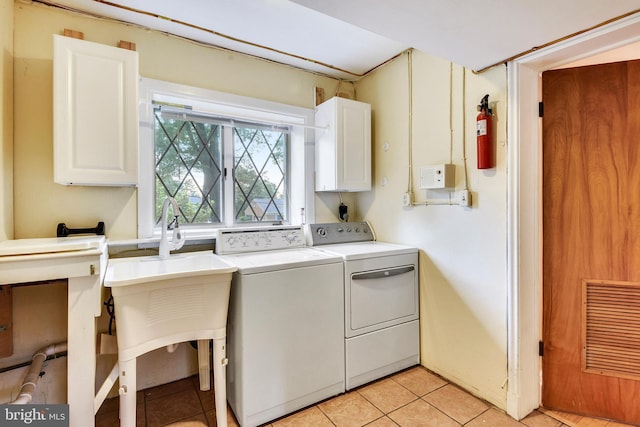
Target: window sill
143, 247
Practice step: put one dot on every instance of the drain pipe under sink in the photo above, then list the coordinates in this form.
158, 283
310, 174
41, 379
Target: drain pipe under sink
31, 379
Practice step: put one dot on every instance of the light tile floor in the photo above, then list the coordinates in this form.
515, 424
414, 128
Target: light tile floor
414, 397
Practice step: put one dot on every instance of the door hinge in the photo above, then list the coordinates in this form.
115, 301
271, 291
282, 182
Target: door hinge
540, 109
540, 348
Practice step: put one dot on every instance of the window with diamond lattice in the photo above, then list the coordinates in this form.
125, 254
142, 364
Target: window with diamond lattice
189, 166
260, 159
189, 169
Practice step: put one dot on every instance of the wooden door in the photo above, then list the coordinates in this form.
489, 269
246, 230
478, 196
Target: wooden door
591, 243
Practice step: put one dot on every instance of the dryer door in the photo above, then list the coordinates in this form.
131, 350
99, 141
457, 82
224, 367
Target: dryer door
381, 292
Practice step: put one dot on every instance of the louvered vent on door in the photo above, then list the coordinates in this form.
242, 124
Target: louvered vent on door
611, 328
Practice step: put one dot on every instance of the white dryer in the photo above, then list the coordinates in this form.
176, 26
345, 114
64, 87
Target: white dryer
381, 327
285, 324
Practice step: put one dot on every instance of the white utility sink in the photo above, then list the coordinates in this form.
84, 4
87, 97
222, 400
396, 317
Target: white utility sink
162, 302
136, 270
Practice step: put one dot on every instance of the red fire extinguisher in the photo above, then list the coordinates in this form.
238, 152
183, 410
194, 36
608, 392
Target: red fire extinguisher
483, 126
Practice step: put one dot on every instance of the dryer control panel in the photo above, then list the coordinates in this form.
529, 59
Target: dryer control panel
255, 239
340, 232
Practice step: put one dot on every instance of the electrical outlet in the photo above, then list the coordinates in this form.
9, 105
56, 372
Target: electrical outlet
343, 212
464, 198
407, 199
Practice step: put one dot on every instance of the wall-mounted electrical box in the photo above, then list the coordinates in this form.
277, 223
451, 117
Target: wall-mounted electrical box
438, 176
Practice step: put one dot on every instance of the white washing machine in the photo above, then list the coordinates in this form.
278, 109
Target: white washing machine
381, 328
285, 323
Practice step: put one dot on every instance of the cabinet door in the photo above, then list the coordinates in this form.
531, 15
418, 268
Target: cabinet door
354, 145
95, 90
343, 150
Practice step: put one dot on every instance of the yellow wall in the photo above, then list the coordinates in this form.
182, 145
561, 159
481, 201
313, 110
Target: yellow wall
463, 268
6, 120
40, 204
462, 260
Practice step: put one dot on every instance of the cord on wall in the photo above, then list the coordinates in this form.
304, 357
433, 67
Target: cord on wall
464, 129
458, 198
450, 116
410, 121
450, 112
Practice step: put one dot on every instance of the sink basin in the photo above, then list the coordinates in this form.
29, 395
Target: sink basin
164, 301
137, 270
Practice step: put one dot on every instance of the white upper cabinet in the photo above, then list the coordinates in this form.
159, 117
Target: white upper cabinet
95, 109
343, 149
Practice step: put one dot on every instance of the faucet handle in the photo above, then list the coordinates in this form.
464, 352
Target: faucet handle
177, 238
173, 224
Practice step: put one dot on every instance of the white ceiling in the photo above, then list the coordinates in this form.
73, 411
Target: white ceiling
348, 38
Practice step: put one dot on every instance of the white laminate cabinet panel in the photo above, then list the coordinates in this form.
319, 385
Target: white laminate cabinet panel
95, 113
343, 147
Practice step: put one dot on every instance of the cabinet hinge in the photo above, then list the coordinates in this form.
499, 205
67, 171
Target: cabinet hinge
540, 109
540, 348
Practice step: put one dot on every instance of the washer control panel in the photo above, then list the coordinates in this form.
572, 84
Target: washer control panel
339, 232
255, 239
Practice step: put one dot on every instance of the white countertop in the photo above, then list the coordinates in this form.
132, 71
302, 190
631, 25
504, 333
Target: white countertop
32, 260
50, 245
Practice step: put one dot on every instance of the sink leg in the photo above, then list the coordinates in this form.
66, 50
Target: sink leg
127, 392
220, 380
204, 364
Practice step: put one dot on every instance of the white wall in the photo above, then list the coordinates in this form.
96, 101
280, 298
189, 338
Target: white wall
463, 292
6, 120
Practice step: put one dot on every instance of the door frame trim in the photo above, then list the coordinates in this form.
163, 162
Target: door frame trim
524, 202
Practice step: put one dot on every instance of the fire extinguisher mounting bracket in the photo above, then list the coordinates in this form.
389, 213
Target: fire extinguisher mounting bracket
484, 105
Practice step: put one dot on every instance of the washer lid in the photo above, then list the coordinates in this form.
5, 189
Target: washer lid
265, 261
360, 250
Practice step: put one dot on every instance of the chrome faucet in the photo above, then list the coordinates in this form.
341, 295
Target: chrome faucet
177, 238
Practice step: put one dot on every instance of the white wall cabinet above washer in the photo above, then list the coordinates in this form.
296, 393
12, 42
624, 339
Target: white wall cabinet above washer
343, 150
95, 109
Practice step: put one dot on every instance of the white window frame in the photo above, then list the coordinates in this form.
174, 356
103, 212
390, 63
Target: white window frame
300, 161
